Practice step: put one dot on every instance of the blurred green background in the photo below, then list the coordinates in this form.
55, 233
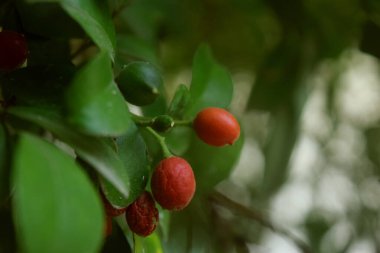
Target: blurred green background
307, 92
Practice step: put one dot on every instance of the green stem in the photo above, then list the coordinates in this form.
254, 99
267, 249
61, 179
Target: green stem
187, 123
141, 121
148, 121
161, 141
256, 215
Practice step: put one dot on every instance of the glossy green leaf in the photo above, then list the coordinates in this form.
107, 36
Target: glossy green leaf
53, 194
95, 151
150, 244
211, 84
179, 139
157, 108
179, 102
191, 231
211, 165
95, 104
143, 17
132, 152
131, 47
94, 18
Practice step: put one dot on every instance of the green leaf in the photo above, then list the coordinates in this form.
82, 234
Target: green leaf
212, 165
143, 17
191, 230
282, 138
95, 105
157, 108
179, 102
95, 151
179, 139
95, 19
131, 47
132, 152
278, 77
150, 244
211, 84
56, 207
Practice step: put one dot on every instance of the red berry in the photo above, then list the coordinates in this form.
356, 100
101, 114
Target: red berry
216, 126
173, 183
110, 209
13, 50
142, 215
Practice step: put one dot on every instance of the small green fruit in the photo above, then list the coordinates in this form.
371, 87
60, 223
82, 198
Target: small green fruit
139, 82
162, 123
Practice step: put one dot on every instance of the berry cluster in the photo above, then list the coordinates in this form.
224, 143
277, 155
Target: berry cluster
173, 181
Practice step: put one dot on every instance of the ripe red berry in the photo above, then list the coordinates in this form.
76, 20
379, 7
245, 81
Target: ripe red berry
216, 126
173, 183
13, 50
110, 209
142, 215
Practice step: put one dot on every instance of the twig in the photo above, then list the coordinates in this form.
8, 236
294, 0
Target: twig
256, 215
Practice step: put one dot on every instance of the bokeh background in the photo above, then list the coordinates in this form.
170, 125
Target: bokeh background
307, 92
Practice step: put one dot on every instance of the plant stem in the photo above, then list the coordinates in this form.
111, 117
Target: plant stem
256, 215
188, 123
148, 121
141, 120
161, 141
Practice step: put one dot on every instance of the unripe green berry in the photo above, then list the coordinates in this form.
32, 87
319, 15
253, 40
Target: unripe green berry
139, 82
162, 123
